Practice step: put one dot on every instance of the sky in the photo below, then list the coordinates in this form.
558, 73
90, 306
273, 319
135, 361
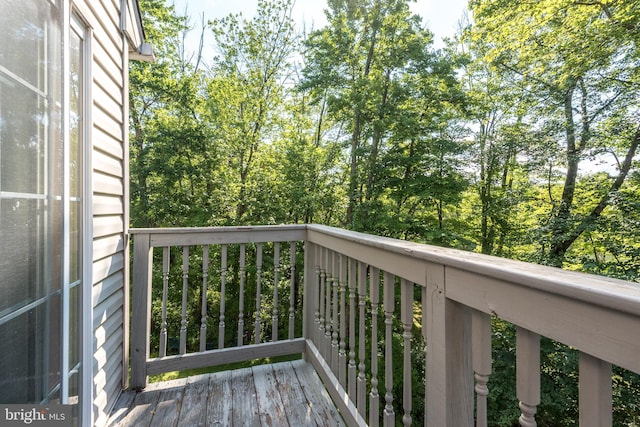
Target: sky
440, 16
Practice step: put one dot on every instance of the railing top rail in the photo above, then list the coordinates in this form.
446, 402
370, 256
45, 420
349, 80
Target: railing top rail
221, 229
602, 291
187, 236
598, 290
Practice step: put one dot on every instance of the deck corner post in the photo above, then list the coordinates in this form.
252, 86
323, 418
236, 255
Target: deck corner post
141, 312
449, 363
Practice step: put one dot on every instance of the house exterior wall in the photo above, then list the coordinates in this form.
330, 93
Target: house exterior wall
114, 30
64, 202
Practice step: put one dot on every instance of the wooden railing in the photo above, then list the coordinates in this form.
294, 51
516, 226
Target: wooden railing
191, 252
375, 307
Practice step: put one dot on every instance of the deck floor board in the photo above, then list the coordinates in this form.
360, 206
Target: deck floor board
299, 411
272, 410
244, 401
280, 394
318, 398
193, 411
168, 407
219, 407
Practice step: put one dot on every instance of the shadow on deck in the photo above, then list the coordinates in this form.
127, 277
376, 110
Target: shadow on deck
280, 394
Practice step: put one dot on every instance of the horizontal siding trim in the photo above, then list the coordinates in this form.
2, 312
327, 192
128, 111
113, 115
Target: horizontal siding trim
102, 334
106, 123
110, 18
104, 289
107, 205
106, 52
112, 382
107, 153
105, 30
106, 309
106, 267
105, 101
106, 163
107, 225
104, 356
107, 81
106, 246
107, 184
110, 375
107, 387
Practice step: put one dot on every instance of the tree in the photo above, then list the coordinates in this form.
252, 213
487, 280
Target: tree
166, 117
495, 104
579, 97
374, 66
247, 91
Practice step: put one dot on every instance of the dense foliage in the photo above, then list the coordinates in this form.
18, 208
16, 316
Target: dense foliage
518, 139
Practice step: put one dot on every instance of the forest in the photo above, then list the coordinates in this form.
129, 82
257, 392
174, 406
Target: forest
518, 138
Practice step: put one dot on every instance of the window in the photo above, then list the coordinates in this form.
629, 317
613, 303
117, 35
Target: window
42, 136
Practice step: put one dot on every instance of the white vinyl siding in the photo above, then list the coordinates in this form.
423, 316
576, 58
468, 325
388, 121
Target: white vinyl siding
108, 207
108, 139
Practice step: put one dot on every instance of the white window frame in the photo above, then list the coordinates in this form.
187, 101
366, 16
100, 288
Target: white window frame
80, 26
70, 21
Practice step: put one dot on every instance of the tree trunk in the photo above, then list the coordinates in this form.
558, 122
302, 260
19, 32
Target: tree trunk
560, 222
560, 248
353, 172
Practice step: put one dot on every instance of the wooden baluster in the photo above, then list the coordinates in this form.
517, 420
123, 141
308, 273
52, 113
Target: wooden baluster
241, 299
223, 286
185, 286
326, 352
334, 320
342, 353
425, 332
594, 392
276, 269
309, 293
318, 292
406, 316
362, 380
352, 328
328, 331
389, 414
258, 322
321, 306
374, 396
481, 324
165, 288
292, 291
203, 307
527, 375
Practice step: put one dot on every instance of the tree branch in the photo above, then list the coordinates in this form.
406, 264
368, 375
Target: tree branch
602, 6
604, 201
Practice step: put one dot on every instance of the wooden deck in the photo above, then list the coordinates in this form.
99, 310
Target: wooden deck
280, 394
